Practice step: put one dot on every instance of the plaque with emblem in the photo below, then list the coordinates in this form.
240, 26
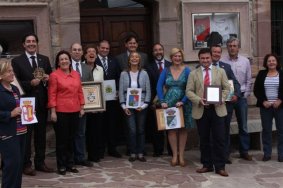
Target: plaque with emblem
38, 73
93, 96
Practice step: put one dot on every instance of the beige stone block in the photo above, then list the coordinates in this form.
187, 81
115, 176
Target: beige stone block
69, 33
168, 9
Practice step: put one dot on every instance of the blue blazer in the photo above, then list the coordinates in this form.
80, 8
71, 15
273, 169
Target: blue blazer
8, 125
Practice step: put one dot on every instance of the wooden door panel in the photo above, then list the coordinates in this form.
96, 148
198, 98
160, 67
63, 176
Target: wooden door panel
115, 29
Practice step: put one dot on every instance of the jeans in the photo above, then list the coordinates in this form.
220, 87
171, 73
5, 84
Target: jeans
267, 115
136, 124
241, 111
79, 142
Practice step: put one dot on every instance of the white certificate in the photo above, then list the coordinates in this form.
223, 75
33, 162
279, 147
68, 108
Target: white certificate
109, 90
213, 94
28, 110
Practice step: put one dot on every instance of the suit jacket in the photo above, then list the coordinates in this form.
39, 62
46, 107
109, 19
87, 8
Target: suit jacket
123, 60
24, 72
195, 90
8, 125
86, 72
65, 91
153, 73
259, 90
231, 76
113, 71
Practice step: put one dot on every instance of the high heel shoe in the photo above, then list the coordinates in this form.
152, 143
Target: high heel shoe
174, 163
182, 162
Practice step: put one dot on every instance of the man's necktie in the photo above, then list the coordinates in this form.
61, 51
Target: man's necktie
105, 66
206, 81
77, 69
34, 65
160, 66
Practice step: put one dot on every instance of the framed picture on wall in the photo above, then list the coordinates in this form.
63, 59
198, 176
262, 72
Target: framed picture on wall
214, 28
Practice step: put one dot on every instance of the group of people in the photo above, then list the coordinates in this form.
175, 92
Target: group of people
163, 84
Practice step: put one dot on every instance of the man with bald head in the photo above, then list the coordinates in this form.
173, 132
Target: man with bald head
76, 52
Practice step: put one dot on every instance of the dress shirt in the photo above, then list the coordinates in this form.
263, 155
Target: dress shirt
74, 66
162, 65
101, 60
242, 69
30, 60
204, 72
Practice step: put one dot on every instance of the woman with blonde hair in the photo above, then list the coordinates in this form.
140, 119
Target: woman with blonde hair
12, 132
134, 77
174, 79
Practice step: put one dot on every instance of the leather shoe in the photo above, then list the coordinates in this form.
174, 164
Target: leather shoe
74, 170
142, 159
266, 158
174, 163
228, 161
115, 154
84, 163
204, 170
246, 156
132, 159
62, 171
157, 154
44, 168
29, 171
222, 173
183, 163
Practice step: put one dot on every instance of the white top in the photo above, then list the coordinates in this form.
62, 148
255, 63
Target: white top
98, 74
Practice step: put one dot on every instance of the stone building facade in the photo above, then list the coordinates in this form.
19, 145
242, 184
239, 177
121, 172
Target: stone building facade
57, 23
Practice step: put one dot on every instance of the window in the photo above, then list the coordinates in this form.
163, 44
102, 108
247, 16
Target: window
214, 28
11, 33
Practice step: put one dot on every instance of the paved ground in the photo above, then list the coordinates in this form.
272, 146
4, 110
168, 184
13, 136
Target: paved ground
157, 172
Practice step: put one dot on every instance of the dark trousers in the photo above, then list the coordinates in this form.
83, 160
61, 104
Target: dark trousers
12, 155
39, 131
229, 107
80, 141
94, 136
65, 130
110, 125
212, 154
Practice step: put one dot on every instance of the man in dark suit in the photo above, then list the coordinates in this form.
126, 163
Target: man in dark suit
111, 72
24, 66
216, 52
154, 69
209, 117
131, 45
86, 75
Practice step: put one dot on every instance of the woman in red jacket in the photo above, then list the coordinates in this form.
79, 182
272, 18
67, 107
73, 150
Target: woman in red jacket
66, 100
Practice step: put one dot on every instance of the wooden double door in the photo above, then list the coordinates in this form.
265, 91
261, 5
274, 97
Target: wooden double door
115, 25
